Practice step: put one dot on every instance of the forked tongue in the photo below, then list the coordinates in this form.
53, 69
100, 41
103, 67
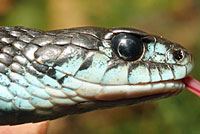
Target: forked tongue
192, 85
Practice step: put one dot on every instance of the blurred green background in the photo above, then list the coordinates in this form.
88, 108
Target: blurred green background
177, 20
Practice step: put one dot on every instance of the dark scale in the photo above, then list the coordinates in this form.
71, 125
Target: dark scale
61, 80
51, 72
86, 64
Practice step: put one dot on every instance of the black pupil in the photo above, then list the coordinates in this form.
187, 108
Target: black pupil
178, 55
127, 46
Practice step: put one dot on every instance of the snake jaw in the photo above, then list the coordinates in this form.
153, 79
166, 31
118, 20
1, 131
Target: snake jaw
117, 92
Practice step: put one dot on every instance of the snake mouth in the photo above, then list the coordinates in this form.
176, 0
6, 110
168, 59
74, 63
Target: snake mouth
133, 101
119, 92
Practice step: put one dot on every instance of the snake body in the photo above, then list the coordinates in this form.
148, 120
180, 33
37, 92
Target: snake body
48, 74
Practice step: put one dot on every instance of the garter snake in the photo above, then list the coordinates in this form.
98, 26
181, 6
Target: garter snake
48, 74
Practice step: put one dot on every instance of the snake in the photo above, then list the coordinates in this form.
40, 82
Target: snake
45, 75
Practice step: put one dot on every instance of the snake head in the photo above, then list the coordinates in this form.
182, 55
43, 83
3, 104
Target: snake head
118, 64
48, 74
130, 63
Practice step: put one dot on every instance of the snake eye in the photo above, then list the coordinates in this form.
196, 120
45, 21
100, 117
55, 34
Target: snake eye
127, 46
178, 55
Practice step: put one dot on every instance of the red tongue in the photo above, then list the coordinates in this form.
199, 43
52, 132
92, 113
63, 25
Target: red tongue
192, 85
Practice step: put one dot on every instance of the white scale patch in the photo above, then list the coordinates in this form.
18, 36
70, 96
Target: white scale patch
115, 92
4, 80
46, 80
89, 90
70, 82
18, 90
22, 104
40, 103
55, 92
189, 68
5, 94
79, 99
18, 79
69, 92
63, 101
6, 106
100, 92
33, 80
121, 92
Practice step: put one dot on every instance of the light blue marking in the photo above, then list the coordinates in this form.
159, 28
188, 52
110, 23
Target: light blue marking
69, 92
33, 80
117, 75
96, 70
159, 58
38, 91
18, 90
166, 73
50, 81
139, 74
4, 80
107, 51
101, 48
5, 94
160, 48
6, 106
185, 60
59, 74
155, 76
23, 104
189, 67
70, 66
179, 71
71, 82
55, 92
149, 52
18, 79
30, 67
38, 102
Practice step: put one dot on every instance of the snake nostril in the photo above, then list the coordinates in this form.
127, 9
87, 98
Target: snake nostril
178, 55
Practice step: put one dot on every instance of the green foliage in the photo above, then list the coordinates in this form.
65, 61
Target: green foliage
29, 13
